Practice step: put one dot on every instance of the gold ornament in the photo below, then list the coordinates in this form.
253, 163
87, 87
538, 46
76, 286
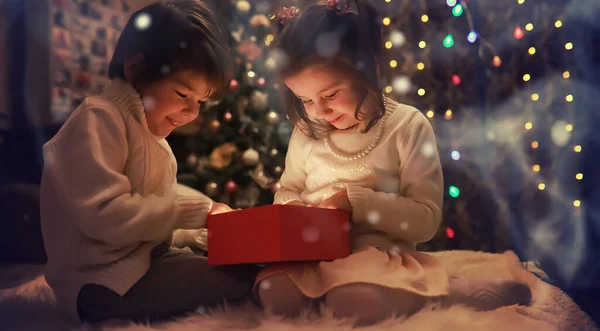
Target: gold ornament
250, 157
214, 126
258, 175
278, 170
211, 189
222, 156
272, 117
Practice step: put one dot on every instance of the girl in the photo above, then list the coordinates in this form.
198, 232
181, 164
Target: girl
109, 200
357, 150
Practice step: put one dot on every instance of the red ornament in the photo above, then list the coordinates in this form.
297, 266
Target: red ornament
227, 117
233, 85
230, 186
455, 79
449, 233
518, 34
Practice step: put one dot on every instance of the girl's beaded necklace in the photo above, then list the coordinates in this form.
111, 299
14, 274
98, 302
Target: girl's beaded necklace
369, 148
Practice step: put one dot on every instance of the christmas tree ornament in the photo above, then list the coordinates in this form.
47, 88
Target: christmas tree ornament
278, 170
259, 20
272, 117
250, 157
214, 126
223, 155
211, 189
191, 160
231, 186
243, 6
233, 85
258, 175
259, 100
227, 116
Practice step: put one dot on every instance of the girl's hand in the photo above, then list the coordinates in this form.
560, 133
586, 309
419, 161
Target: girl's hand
219, 208
338, 201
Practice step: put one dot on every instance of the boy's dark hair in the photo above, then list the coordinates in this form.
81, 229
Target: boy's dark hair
358, 36
174, 35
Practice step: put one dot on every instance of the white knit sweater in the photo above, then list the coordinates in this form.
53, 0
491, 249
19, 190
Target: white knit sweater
108, 196
396, 191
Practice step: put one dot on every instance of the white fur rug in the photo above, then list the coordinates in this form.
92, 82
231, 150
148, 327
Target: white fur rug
26, 303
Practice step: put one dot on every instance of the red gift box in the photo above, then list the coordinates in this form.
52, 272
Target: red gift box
278, 233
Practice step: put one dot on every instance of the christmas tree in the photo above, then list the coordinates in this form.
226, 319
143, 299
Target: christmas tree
494, 79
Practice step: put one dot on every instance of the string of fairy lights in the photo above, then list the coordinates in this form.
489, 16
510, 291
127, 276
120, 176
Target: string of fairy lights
560, 131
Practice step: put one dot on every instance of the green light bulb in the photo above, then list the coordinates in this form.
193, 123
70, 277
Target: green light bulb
457, 10
448, 41
454, 191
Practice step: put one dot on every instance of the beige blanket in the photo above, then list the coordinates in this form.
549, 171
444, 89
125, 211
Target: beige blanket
26, 303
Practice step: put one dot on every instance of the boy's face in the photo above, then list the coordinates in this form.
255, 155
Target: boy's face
173, 101
328, 94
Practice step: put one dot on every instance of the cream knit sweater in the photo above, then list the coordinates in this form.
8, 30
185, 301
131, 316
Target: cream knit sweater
396, 191
108, 196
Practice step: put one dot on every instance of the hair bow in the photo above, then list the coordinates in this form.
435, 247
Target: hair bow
338, 7
287, 14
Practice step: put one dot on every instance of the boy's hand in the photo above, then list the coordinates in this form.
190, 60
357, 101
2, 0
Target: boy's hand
219, 208
338, 201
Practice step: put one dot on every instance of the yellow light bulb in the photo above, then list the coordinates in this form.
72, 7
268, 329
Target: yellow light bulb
535, 97
529, 27
421, 92
430, 114
420, 65
448, 114
393, 63
536, 167
386, 21
566, 74
526, 77
579, 176
576, 203
558, 24
577, 148
528, 125
542, 186
569, 98
569, 46
388, 44
531, 50
422, 44
535, 144
569, 127
520, 2
424, 18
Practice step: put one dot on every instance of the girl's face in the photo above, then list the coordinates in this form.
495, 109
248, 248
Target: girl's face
173, 101
328, 94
